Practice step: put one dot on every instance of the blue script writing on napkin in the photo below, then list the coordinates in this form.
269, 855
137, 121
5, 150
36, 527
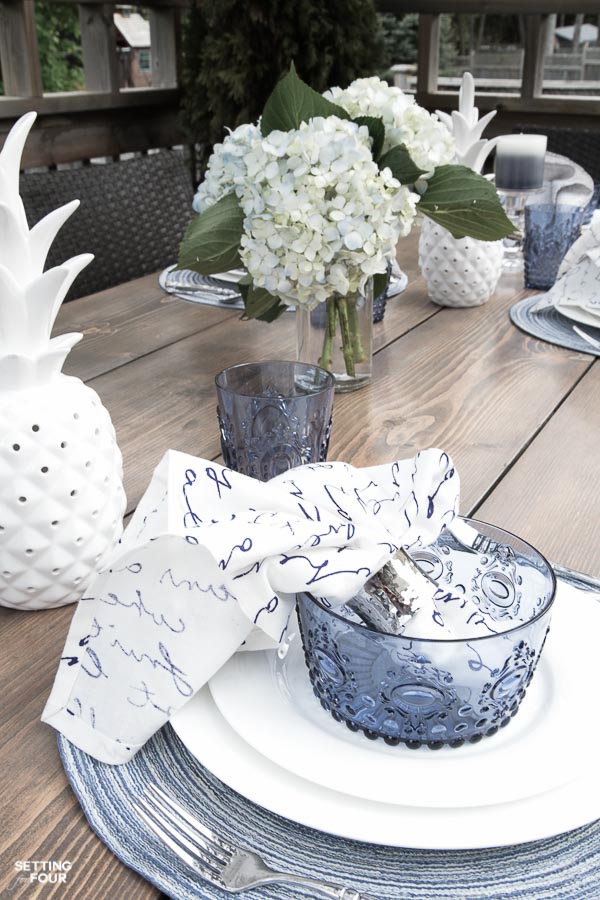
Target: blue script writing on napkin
210, 563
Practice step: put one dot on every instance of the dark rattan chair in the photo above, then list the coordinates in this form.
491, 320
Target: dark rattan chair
132, 215
580, 145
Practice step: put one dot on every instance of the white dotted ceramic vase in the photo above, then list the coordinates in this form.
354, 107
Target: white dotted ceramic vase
458, 271
62, 502
61, 497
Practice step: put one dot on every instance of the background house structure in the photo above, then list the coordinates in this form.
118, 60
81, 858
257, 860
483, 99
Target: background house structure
133, 46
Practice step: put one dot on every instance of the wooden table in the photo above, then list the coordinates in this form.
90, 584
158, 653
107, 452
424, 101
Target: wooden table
521, 419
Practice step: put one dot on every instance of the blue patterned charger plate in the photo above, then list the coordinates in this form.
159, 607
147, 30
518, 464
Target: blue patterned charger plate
565, 867
549, 325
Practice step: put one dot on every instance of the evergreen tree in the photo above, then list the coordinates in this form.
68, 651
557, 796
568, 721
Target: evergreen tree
235, 51
59, 43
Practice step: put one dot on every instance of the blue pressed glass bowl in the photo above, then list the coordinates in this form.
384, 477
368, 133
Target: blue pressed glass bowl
431, 692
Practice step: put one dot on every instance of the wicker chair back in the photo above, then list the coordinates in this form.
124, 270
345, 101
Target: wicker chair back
132, 216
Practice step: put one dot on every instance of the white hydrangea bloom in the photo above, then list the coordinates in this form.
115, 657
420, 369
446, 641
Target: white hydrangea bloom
428, 141
320, 218
226, 166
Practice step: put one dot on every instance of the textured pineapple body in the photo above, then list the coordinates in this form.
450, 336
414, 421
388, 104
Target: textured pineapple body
61, 492
458, 271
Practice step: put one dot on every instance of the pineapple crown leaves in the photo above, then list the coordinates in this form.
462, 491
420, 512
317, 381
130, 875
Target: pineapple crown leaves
29, 297
466, 127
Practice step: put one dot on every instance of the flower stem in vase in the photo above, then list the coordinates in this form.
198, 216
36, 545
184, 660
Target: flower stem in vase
347, 337
337, 335
357, 344
326, 358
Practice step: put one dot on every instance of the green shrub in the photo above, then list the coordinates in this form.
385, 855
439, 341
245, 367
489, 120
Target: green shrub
235, 51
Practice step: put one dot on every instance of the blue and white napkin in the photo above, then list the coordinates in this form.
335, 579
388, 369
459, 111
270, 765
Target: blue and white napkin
576, 293
210, 563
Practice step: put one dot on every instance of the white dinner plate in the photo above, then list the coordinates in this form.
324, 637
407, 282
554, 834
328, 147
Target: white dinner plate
217, 746
233, 276
271, 705
580, 315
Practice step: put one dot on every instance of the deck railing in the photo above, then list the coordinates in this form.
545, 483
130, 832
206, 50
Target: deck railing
529, 100
108, 120
104, 119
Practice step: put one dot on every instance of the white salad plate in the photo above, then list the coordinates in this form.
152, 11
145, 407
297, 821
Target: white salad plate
562, 806
271, 705
577, 314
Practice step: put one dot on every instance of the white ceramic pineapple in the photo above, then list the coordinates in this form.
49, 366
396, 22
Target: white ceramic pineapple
61, 491
462, 271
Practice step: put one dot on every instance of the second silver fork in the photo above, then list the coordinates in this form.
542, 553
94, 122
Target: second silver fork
586, 337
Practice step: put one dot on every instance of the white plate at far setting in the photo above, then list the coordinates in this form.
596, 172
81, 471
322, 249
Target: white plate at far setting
206, 734
270, 704
577, 314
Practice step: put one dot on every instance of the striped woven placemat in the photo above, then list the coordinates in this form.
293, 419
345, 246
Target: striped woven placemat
551, 326
566, 867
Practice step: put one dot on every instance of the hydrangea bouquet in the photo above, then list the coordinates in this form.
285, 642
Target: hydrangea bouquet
313, 199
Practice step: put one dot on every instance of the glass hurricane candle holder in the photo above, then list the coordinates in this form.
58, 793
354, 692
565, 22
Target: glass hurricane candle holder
519, 171
434, 692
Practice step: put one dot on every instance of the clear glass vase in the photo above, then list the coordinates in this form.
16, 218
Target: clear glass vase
338, 336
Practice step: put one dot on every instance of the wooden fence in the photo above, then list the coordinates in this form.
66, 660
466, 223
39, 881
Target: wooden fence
107, 120
529, 101
104, 119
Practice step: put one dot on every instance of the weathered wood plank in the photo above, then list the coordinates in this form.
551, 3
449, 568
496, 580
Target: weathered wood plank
124, 323
165, 45
149, 4
533, 62
428, 54
569, 108
488, 6
42, 819
99, 45
167, 399
64, 139
71, 102
19, 56
466, 381
550, 496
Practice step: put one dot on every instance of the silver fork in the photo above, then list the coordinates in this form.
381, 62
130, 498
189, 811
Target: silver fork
228, 867
586, 337
472, 539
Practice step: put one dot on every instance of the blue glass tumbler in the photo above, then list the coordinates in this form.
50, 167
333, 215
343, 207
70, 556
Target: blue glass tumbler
274, 416
550, 229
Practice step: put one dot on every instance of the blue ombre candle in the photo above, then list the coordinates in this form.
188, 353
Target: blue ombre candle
520, 162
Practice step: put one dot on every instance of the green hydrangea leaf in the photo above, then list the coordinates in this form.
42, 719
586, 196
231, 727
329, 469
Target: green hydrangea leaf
212, 240
380, 283
398, 159
466, 204
292, 102
260, 304
377, 132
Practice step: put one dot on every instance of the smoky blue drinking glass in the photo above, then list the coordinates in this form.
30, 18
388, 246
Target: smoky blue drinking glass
592, 206
549, 232
274, 416
431, 692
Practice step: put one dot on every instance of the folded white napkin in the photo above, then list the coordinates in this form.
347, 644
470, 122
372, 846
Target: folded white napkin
564, 182
576, 293
210, 563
